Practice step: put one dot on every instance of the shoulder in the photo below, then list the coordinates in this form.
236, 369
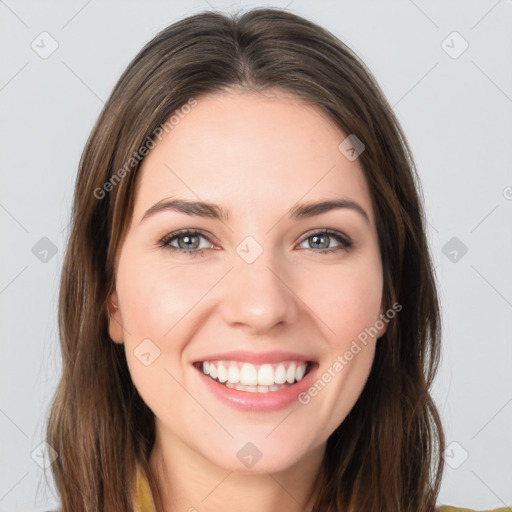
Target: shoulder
448, 508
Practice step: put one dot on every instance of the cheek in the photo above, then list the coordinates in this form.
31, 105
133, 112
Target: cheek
160, 302
347, 303
154, 310
345, 299
157, 295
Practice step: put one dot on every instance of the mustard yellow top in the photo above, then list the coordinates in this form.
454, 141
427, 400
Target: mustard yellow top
142, 496
143, 499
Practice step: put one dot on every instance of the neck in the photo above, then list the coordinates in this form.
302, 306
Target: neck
188, 482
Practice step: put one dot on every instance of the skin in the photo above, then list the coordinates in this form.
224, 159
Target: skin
257, 155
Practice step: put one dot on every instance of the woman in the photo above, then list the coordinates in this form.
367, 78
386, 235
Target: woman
248, 313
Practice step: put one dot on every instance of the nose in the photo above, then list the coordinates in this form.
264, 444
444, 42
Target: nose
259, 296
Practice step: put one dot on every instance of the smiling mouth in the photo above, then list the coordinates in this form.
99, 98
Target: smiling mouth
251, 378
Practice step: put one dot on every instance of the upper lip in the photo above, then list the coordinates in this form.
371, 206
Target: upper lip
256, 357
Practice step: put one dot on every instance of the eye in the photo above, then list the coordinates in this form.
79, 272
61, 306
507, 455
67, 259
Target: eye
321, 240
187, 241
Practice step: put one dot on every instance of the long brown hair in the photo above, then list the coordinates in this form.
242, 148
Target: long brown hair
386, 455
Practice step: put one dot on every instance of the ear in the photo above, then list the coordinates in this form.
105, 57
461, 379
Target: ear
115, 321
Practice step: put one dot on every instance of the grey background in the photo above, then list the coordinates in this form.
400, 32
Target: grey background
456, 113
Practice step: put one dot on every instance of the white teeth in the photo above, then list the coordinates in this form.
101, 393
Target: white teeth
280, 376
222, 374
233, 374
290, 374
263, 378
248, 375
256, 389
265, 375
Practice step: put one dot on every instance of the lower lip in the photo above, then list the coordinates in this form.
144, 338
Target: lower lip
258, 402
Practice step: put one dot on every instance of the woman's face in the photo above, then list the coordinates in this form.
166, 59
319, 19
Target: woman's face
254, 294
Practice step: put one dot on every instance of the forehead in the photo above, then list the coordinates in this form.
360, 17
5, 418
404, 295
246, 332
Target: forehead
253, 151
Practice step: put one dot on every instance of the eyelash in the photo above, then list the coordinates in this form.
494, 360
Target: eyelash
345, 242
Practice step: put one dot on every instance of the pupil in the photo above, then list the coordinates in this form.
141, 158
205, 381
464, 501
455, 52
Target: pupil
317, 238
187, 239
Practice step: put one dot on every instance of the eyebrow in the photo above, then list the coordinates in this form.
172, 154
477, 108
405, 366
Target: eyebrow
217, 212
